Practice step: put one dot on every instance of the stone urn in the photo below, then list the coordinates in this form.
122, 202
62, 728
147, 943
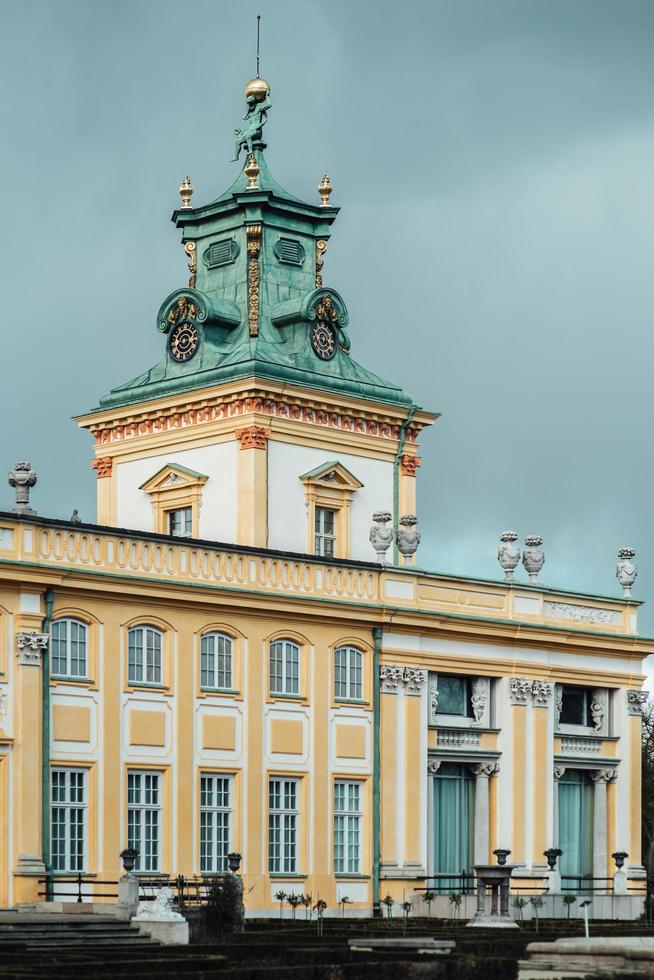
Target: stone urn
619, 857
507, 554
22, 478
381, 537
532, 557
626, 571
501, 853
408, 537
552, 854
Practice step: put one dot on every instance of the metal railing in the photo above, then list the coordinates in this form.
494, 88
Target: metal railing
188, 891
71, 887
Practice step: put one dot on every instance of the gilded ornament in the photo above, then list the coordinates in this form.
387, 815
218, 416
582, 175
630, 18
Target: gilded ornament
325, 189
251, 171
257, 97
184, 309
321, 248
186, 192
190, 249
254, 249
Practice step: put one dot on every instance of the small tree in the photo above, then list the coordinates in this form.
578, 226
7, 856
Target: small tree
569, 901
306, 901
519, 903
455, 901
293, 900
429, 898
319, 908
389, 903
537, 903
343, 901
406, 908
281, 898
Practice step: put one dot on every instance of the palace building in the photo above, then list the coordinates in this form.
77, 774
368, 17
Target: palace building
237, 657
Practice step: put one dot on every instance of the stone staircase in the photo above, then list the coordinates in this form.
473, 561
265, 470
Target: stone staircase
38, 931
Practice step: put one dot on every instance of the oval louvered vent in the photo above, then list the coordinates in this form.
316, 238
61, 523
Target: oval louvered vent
289, 250
220, 253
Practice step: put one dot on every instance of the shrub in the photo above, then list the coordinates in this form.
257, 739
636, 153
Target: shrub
223, 913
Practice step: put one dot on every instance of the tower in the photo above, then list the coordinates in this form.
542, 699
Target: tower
257, 427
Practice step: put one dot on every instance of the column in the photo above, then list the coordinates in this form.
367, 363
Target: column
482, 773
636, 700
252, 486
542, 762
520, 694
28, 780
600, 850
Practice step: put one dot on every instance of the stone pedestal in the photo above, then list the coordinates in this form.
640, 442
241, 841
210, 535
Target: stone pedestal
553, 883
167, 932
620, 883
128, 897
496, 879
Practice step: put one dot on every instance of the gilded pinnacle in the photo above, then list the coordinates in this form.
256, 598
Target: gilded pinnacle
325, 189
186, 192
251, 171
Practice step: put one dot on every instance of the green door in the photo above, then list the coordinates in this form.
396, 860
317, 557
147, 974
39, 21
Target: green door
453, 820
576, 823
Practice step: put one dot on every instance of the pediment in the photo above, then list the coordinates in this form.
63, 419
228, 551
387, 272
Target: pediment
173, 477
332, 474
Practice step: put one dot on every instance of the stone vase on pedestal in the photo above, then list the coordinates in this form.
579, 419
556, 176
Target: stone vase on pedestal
626, 571
507, 554
532, 557
408, 537
381, 537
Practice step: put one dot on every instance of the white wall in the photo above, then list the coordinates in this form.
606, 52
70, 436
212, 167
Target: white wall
218, 511
287, 518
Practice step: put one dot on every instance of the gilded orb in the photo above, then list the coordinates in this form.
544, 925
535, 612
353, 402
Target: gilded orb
258, 87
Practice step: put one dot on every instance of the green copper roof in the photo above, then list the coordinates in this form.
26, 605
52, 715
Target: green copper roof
212, 333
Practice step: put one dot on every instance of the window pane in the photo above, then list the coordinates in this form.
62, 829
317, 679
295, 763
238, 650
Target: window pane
68, 819
451, 695
573, 706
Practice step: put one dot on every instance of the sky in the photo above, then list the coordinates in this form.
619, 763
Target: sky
494, 162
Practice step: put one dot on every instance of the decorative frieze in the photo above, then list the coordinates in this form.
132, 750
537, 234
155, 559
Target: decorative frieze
253, 233
394, 678
103, 466
30, 646
253, 437
273, 407
636, 701
457, 738
578, 614
577, 743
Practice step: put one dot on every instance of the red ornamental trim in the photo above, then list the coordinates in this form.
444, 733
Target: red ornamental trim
409, 464
247, 406
253, 437
103, 466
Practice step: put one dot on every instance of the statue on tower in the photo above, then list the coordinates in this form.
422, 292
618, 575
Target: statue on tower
257, 96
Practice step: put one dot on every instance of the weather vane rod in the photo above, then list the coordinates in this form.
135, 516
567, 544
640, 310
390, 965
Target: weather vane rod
258, 28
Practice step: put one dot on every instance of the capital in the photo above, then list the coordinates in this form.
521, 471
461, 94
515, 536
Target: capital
409, 464
103, 466
636, 701
253, 437
29, 648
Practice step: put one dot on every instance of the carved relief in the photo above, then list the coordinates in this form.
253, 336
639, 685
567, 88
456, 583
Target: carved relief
103, 466
558, 704
542, 692
190, 249
520, 690
433, 698
254, 248
433, 766
479, 698
183, 309
30, 646
636, 701
558, 772
577, 614
603, 775
392, 677
321, 248
598, 706
485, 769
409, 464
253, 437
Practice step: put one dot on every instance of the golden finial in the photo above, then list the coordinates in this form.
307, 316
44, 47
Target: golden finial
251, 171
325, 190
186, 192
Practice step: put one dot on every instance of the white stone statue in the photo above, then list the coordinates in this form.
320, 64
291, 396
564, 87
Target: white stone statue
507, 554
160, 908
532, 557
381, 537
626, 570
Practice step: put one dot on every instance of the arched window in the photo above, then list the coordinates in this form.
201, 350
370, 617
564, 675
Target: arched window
68, 650
144, 644
284, 667
216, 661
348, 674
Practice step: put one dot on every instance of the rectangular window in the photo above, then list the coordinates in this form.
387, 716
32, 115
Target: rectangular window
282, 826
325, 532
68, 648
180, 522
284, 667
454, 696
144, 655
68, 819
347, 828
144, 818
575, 706
215, 811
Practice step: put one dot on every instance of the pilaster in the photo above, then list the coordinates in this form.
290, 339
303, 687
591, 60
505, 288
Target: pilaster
252, 487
